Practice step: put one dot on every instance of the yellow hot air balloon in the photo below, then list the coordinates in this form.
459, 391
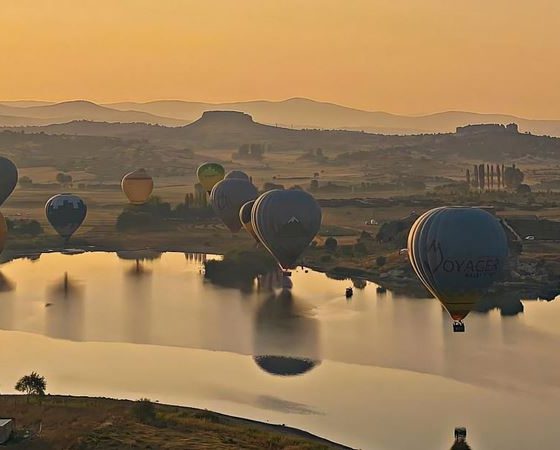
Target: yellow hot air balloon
209, 174
3, 232
137, 186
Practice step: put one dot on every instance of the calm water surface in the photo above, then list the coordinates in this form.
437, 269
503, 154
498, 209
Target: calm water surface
379, 372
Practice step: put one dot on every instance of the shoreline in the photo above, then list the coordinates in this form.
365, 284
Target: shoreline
51, 401
394, 280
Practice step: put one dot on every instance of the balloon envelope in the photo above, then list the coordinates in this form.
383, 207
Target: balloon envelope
8, 178
237, 174
137, 186
245, 217
457, 253
65, 212
227, 198
286, 222
209, 174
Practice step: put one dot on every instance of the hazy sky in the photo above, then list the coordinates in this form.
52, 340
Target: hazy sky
405, 56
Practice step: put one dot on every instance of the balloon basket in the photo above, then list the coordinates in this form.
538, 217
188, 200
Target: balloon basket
458, 327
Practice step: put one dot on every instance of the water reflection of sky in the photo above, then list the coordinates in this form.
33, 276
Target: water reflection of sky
388, 370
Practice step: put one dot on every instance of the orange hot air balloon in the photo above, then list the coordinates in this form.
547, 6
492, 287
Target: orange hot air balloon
137, 186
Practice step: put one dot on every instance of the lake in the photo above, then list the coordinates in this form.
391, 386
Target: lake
378, 371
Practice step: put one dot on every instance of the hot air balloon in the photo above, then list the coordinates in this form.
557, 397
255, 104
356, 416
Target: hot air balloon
227, 198
209, 174
137, 186
286, 222
457, 253
245, 217
65, 212
237, 174
8, 178
3, 232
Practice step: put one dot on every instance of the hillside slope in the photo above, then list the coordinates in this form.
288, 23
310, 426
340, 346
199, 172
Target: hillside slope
84, 423
77, 110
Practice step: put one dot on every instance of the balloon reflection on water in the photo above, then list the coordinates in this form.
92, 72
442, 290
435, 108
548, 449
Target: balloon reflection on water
286, 340
65, 313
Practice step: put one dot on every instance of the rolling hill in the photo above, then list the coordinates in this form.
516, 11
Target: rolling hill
305, 113
293, 113
217, 130
45, 114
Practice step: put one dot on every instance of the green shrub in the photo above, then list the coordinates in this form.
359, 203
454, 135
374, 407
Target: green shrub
144, 410
331, 244
360, 248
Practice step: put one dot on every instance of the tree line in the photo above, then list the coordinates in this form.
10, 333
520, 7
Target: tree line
492, 177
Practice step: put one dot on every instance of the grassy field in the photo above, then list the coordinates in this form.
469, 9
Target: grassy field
83, 423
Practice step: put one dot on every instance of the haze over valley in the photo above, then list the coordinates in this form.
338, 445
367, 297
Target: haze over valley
292, 113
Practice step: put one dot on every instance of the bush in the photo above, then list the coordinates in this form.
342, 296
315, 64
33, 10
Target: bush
132, 220
380, 261
239, 268
150, 215
347, 250
360, 248
144, 410
25, 181
331, 244
26, 227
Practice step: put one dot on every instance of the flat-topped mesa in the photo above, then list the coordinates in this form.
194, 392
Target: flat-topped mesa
227, 118
487, 128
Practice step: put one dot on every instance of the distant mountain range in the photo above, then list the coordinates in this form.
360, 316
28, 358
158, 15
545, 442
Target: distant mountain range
293, 113
38, 113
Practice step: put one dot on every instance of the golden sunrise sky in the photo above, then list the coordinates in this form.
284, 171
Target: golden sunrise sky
402, 56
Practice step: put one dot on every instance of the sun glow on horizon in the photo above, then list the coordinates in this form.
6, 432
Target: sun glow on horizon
406, 56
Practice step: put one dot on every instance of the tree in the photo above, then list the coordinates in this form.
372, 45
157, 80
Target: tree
499, 175
360, 248
481, 178
63, 178
28, 227
513, 177
331, 244
492, 177
475, 171
314, 185
144, 410
243, 150
33, 384
25, 181
257, 151
468, 177
380, 261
